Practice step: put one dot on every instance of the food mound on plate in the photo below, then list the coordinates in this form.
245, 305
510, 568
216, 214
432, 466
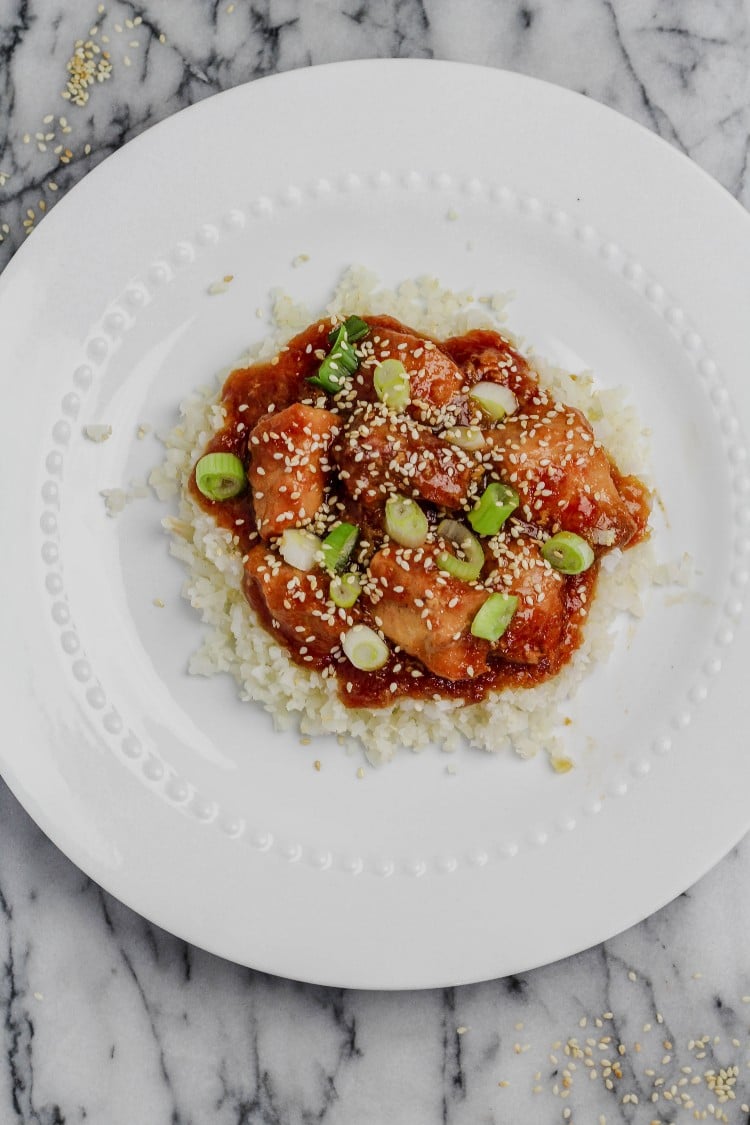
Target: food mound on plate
394, 535
416, 517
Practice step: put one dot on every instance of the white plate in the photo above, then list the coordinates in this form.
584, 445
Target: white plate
182, 801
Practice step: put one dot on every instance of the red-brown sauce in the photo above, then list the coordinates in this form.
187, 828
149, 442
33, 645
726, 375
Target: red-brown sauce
248, 394
378, 689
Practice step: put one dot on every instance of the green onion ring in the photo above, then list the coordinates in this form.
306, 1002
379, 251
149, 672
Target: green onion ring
220, 476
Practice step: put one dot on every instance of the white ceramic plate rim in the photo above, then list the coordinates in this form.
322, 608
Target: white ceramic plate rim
314, 919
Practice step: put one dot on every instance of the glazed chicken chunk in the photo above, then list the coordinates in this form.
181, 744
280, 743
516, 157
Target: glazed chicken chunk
537, 625
296, 601
379, 453
289, 465
562, 474
488, 356
434, 378
427, 612
246, 387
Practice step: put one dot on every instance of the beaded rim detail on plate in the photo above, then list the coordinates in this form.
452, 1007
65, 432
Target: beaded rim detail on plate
120, 316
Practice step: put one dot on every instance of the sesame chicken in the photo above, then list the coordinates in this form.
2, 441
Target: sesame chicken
538, 624
246, 388
484, 355
563, 476
322, 456
378, 454
295, 601
435, 379
288, 467
438, 633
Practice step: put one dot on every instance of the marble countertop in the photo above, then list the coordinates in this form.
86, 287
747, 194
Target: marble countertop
105, 1018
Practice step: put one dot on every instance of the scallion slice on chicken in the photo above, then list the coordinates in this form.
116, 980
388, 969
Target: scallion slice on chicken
365, 649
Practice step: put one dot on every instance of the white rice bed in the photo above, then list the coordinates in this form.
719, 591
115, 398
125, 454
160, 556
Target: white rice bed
524, 720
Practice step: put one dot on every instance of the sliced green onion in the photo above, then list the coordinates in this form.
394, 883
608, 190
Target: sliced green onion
220, 476
338, 546
340, 363
465, 437
343, 353
365, 649
301, 549
469, 568
391, 383
337, 367
492, 510
405, 521
493, 618
494, 399
356, 329
568, 553
345, 589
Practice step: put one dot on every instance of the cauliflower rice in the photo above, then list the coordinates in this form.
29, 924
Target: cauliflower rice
524, 720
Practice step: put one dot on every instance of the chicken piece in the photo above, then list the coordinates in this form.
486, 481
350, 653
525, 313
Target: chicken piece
484, 355
537, 626
427, 612
379, 453
295, 602
562, 474
434, 378
288, 467
281, 380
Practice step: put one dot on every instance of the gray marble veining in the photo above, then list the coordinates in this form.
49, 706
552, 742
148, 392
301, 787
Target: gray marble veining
104, 1018
678, 67
108, 1019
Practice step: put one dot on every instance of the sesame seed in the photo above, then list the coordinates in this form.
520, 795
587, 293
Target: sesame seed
86, 65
